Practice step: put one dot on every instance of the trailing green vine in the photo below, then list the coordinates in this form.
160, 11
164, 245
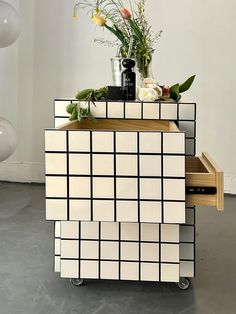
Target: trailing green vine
79, 112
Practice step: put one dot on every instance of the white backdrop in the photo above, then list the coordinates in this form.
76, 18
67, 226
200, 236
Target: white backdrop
55, 56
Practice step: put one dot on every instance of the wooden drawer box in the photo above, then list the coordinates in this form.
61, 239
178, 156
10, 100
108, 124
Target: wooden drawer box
204, 181
116, 170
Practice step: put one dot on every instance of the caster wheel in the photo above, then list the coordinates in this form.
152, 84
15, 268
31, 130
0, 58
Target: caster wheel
77, 281
184, 283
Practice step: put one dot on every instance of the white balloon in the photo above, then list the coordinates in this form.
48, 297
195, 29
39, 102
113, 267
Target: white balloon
9, 24
7, 139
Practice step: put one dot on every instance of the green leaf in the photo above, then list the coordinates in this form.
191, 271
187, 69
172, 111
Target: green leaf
70, 108
174, 92
187, 84
74, 114
84, 94
118, 35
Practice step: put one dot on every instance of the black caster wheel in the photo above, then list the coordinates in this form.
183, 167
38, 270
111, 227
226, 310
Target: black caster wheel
184, 283
77, 281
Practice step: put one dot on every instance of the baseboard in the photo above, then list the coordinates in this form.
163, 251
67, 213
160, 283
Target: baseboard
22, 172
34, 172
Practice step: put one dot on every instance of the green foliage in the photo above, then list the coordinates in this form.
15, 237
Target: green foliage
77, 111
176, 89
187, 84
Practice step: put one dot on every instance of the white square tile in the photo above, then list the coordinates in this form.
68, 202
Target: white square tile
103, 164
187, 269
126, 165
60, 121
79, 141
174, 189
99, 109
103, 210
109, 270
133, 110
187, 111
126, 142
190, 219
170, 272
174, 166
115, 109
79, 164
110, 230
187, 251
57, 246
60, 107
69, 269
150, 252
170, 252
80, 210
169, 233
56, 187
56, 210
70, 229
129, 251
126, 188
174, 212
150, 271
129, 271
168, 111
89, 269
174, 143
186, 234
55, 140
57, 228
149, 232
79, 187
127, 211
103, 141
190, 147
150, 110
150, 211
150, 142
188, 127
130, 231
89, 249
150, 166
103, 187
55, 164
150, 189
57, 264
110, 250
89, 230
69, 249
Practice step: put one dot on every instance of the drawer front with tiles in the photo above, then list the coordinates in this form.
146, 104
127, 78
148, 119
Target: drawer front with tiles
116, 170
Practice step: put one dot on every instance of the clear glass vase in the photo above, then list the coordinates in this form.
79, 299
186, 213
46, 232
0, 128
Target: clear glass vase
143, 71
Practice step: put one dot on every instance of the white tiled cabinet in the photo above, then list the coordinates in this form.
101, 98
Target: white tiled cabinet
116, 190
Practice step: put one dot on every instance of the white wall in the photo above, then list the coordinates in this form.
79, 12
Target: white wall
55, 56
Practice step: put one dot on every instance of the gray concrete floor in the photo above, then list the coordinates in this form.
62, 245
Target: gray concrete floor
28, 284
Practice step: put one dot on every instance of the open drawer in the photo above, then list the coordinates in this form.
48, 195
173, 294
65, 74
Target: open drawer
204, 182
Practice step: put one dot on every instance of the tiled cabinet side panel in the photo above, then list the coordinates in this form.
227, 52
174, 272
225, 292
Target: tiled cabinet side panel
115, 176
124, 251
187, 244
57, 246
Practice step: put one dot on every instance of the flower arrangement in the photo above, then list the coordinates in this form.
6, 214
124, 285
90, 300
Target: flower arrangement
125, 24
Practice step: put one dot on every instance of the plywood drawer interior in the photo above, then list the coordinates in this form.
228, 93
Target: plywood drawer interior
121, 125
204, 182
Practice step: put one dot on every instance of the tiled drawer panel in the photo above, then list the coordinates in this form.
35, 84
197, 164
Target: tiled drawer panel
125, 251
115, 176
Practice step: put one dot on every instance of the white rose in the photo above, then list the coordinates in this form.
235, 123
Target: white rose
147, 94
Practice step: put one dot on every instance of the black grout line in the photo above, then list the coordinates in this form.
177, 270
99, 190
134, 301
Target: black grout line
68, 175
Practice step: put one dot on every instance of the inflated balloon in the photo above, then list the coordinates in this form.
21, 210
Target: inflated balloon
7, 139
9, 24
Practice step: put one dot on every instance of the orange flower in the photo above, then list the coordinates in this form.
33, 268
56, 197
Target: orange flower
99, 20
125, 13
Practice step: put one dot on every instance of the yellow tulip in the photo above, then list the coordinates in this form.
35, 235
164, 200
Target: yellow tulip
99, 20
